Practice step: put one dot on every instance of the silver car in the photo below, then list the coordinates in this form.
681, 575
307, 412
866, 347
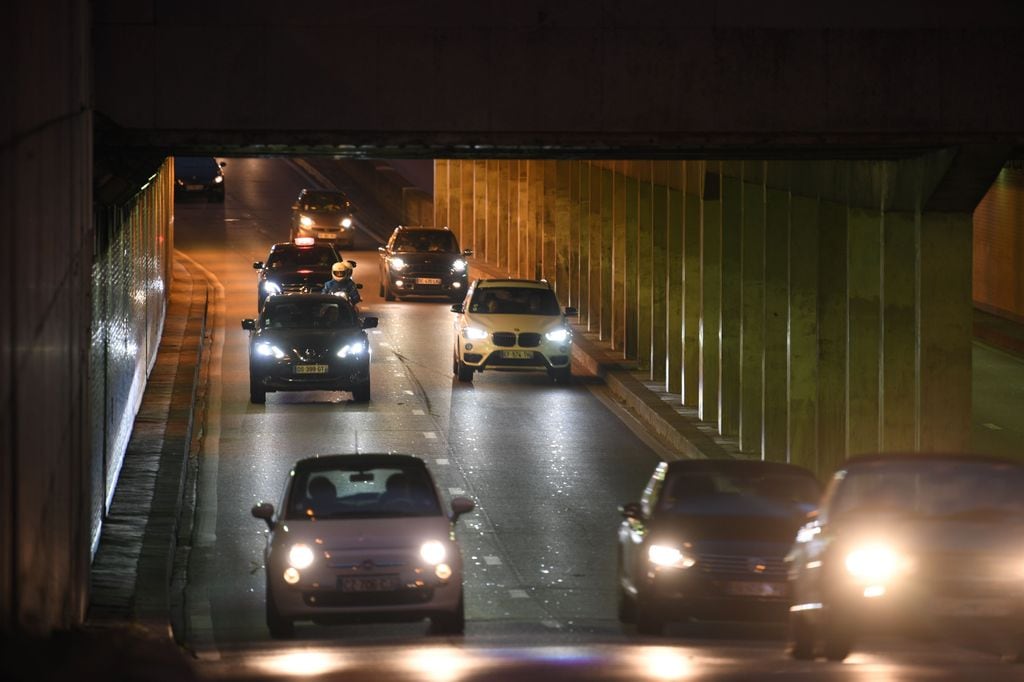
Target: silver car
362, 537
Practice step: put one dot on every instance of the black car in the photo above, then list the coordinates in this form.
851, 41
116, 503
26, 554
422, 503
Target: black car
296, 267
912, 544
326, 216
308, 342
423, 261
708, 540
199, 176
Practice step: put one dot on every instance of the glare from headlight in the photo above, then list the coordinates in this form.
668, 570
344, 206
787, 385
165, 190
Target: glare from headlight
271, 288
305, 221
354, 348
397, 264
664, 555
459, 265
443, 571
266, 350
557, 335
300, 556
875, 564
291, 576
346, 222
474, 333
219, 179
433, 552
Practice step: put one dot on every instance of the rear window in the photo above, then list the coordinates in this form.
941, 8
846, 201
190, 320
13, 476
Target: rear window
514, 301
290, 257
359, 492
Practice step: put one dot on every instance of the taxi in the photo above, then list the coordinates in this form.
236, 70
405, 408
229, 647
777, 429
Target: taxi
302, 265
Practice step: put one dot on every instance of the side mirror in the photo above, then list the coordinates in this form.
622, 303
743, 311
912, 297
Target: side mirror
223, 163
460, 506
458, 308
257, 265
632, 510
381, 249
265, 511
352, 263
249, 323
369, 322
359, 285
467, 252
570, 311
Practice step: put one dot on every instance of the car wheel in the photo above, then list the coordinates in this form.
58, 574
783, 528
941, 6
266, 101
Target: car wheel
257, 394
464, 372
836, 642
801, 637
562, 375
388, 294
626, 607
361, 393
453, 623
280, 627
381, 292
650, 619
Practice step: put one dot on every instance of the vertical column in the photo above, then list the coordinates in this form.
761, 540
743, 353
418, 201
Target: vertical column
645, 265
618, 235
504, 213
660, 171
583, 246
606, 253
549, 210
528, 252
944, 331
731, 302
467, 214
493, 211
832, 338
803, 332
515, 234
710, 290
573, 243
674, 263
440, 192
776, 303
480, 204
691, 283
596, 235
536, 219
752, 317
563, 219
455, 199
899, 343
864, 290
630, 229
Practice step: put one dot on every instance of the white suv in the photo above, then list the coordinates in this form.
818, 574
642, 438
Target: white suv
513, 325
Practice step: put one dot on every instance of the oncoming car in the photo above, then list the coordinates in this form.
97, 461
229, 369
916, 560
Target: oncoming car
199, 175
423, 261
300, 266
308, 342
324, 215
515, 325
911, 544
362, 537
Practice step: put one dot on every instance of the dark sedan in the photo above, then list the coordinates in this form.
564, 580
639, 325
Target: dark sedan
199, 176
301, 266
708, 539
308, 342
912, 544
423, 261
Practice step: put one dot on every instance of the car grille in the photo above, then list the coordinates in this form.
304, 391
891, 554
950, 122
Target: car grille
301, 288
740, 565
529, 340
505, 339
435, 268
508, 339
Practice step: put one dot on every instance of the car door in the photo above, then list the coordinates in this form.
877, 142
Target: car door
634, 529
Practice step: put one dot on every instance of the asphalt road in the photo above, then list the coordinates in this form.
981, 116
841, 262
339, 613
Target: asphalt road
547, 465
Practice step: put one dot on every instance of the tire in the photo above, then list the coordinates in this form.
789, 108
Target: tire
388, 295
801, 637
280, 628
626, 607
381, 291
650, 620
562, 375
464, 372
453, 623
257, 394
836, 642
361, 393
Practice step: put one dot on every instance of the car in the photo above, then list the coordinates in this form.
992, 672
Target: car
512, 325
708, 540
362, 536
911, 543
308, 342
302, 265
423, 261
199, 176
326, 216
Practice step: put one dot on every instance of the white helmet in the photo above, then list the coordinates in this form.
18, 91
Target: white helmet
341, 271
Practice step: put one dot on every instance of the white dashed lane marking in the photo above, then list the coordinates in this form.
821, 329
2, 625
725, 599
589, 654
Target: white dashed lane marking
518, 594
492, 561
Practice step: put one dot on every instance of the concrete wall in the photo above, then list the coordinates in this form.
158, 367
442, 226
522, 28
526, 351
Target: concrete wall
999, 246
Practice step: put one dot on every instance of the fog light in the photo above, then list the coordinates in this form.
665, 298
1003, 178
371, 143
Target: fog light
443, 571
399, 283
456, 285
874, 591
291, 575
469, 346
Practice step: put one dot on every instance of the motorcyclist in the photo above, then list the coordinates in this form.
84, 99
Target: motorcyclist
341, 282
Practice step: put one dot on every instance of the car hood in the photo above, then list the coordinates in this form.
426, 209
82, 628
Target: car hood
939, 536
316, 275
522, 323
735, 519
300, 339
377, 533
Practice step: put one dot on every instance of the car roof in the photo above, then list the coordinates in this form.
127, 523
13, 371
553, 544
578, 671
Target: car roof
735, 465
376, 459
525, 283
883, 458
422, 227
315, 245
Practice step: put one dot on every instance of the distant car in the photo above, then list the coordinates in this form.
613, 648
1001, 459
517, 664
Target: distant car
363, 537
911, 543
199, 176
326, 216
708, 540
308, 342
302, 265
423, 261
513, 325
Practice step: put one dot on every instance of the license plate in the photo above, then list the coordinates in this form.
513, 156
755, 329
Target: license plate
428, 280
311, 369
745, 588
976, 608
377, 583
328, 235
193, 188
517, 354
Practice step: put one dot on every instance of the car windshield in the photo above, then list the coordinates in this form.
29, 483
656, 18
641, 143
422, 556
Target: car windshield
514, 301
289, 258
352, 491
966, 491
292, 314
691, 491
426, 241
324, 201
191, 165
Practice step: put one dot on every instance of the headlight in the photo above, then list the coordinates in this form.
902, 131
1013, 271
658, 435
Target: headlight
271, 288
459, 265
346, 222
397, 264
266, 350
354, 348
300, 556
474, 333
664, 555
219, 179
874, 563
433, 552
557, 335
305, 221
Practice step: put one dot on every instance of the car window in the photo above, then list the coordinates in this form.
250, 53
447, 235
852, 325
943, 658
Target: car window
355, 491
323, 201
307, 315
425, 241
290, 258
514, 301
683, 490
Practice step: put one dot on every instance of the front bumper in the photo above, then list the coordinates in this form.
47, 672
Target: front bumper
284, 375
447, 284
692, 592
338, 236
482, 355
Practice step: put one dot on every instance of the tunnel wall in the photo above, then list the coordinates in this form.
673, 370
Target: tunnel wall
999, 246
808, 310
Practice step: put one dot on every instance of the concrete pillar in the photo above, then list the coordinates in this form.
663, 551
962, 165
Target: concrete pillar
864, 328
752, 317
711, 290
563, 217
632, 243
574, 244
944, 332
645, 265
691, 283
480, 206
504, 212
775, 401
899, 350
605, 178
493, 203
618, 235
596, 235
584, 244
731, 301
803, 332
660, 172
832, 336
440, 192
467, 214
674, 296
